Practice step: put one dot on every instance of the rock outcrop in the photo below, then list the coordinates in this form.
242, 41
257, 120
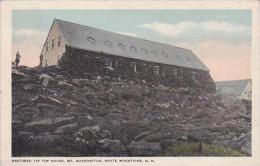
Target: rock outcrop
58, 114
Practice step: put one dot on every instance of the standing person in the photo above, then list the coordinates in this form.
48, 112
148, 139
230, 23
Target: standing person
17, 59
41, 56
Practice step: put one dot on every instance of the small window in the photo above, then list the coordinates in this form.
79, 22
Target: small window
157, 70
47, 46
145, 51
111, 64
116, 63
163, 74
181, 74
59, 41
107, 62
175, 73
52, 44
108, 43
91, 40
165, 54
194, 76
133, 49
120, 45
136, 68
154, 52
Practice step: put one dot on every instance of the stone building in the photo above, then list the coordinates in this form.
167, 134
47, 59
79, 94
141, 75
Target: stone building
80, 48
239, 88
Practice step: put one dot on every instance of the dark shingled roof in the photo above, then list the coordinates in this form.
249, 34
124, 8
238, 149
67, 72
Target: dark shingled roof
92, 39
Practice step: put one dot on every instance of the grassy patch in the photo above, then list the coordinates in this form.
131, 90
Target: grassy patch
197, 149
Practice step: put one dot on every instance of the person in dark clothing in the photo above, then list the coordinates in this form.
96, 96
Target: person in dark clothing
41, 57
17, 59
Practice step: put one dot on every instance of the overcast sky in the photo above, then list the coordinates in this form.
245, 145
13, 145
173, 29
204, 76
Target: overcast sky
220, 38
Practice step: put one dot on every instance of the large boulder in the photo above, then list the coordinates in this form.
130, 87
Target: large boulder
16, 75
156, 137
245, 141
88, 133
109, 147
16, 125
67, 129
47, 124
45, 140
129, 93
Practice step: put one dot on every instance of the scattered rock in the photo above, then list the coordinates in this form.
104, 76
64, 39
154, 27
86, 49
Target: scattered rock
67, 129
45, 140
94, 115
16, 124
142, 135
25, 135
17, 74
144, 148
47, 124
109, 147
88, 133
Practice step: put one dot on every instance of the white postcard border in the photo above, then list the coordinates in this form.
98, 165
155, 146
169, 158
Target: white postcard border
5, 75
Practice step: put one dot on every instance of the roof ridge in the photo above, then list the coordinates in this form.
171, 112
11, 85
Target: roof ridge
169, 45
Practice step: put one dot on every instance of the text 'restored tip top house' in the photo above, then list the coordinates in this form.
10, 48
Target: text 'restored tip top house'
101, 52
238, 88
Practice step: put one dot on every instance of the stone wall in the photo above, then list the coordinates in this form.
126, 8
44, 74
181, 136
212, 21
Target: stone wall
80, 62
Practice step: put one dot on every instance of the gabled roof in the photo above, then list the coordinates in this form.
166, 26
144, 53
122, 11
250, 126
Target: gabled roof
234, 87
92, 39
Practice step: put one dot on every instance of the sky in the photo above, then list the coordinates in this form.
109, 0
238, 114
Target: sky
221, 39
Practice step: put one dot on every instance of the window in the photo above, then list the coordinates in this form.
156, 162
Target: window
156, 70
154, 52
175, 73
120, 45
47, 46
163, 74
145, 51
133, 49
108, 43
116, 63
165, 54
109, 63
194, 76
163, 71
59, 41
135, 68
181, 75
52, 44
91, 40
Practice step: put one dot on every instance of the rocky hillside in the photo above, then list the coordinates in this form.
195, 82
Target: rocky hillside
57, 114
